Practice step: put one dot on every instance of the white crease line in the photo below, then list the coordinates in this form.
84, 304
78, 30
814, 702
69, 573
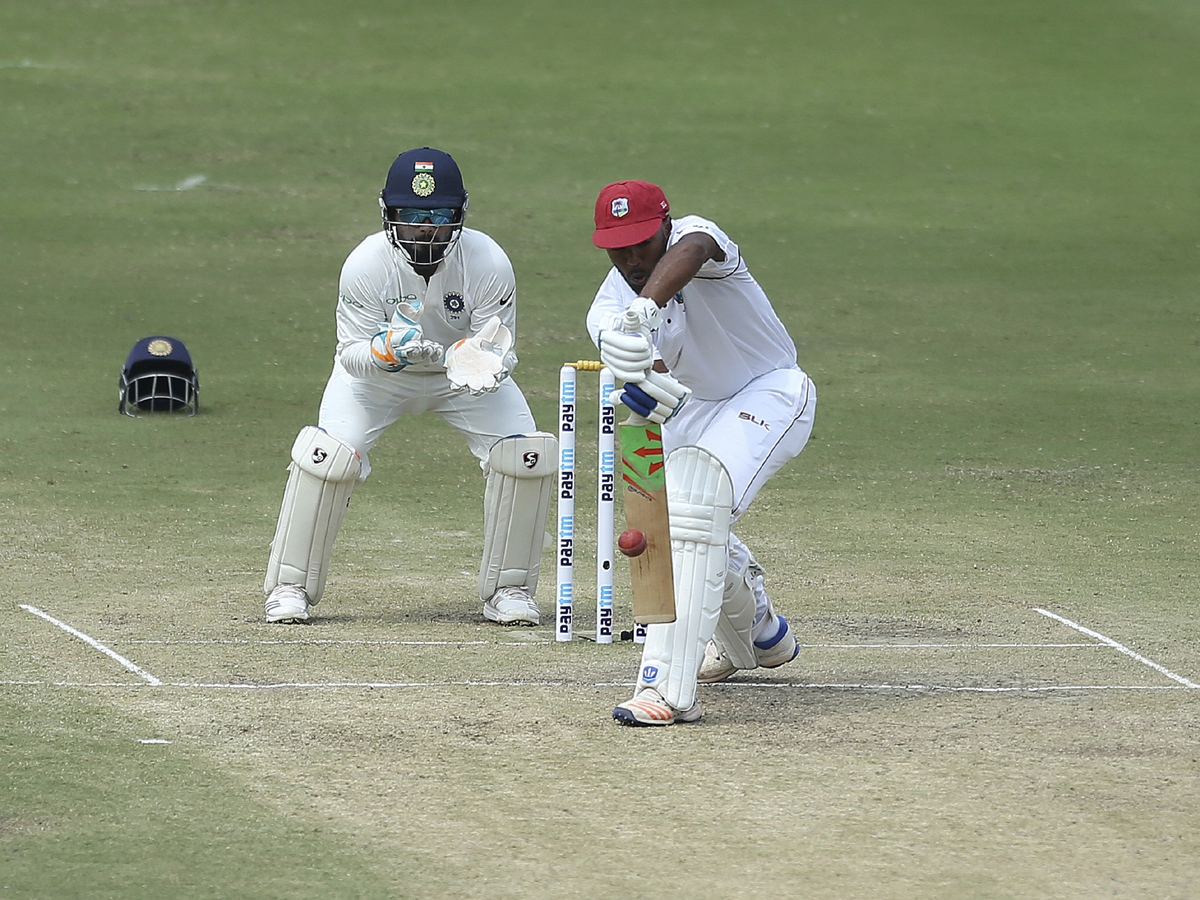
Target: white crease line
150, 679
1117, 646
961, 689
804, 646
723, 686
1087, 645
355, 643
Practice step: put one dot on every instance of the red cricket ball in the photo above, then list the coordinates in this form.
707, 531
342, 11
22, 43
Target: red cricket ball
632, 542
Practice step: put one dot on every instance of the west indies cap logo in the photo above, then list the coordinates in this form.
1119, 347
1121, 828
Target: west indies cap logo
628, 213
423, 184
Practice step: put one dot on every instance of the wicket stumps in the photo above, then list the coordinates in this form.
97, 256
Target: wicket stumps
606, 491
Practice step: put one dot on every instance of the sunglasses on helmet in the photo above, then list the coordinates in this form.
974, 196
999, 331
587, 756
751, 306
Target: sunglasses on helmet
408, 215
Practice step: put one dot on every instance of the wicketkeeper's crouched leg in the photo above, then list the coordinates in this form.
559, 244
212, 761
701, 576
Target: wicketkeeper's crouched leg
321, 478
520, 480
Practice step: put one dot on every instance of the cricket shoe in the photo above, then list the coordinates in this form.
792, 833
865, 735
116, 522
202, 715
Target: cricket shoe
649, 708
512, 606
771, 652
287, 603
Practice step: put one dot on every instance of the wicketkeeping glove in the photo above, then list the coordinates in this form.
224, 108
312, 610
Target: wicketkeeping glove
479, 363
657, 397
401, 344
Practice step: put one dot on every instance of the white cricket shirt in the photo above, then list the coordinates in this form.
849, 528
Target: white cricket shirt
472, 284
719, 333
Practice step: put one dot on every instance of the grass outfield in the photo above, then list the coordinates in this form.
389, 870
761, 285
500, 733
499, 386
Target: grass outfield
977, 219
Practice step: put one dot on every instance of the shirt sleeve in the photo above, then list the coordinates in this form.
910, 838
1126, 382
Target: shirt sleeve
612, 299
493, 288
361, 314
711, 268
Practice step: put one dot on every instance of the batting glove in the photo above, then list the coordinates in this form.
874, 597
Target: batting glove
657, 397
648, 312
627, 355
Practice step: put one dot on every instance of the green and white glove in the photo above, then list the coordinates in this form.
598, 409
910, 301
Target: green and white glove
401, 344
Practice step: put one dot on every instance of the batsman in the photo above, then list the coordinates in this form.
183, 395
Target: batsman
682, 322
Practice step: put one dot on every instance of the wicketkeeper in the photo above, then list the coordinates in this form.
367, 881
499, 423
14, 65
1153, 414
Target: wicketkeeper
708, 336
426, 322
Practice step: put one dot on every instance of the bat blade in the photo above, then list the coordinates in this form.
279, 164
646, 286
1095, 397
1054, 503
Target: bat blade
644, 475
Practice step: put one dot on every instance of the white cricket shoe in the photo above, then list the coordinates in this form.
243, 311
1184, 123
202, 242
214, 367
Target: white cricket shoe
287, 603
512, 606
771, 652
649, 708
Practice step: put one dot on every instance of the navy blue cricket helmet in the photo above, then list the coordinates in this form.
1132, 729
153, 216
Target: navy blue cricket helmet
424, 204
159, 376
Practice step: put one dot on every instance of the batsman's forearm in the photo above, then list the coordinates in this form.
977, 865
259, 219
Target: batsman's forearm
678, 266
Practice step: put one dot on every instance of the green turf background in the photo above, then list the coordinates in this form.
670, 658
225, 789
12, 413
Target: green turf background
979, 220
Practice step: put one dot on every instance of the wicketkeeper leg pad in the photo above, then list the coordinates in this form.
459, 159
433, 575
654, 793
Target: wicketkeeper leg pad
520, 480
321, 477
700, 500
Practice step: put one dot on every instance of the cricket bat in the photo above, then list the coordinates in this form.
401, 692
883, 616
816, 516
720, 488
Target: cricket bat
643, 470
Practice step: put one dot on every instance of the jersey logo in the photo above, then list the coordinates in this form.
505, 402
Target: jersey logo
750, 417
455, 304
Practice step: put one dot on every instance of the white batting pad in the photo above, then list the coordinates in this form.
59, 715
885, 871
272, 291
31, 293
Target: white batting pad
700, 499
322, 476
520, 479
736, 623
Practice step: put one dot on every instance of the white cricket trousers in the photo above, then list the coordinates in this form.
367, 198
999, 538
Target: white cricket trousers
359, 410
754, 433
